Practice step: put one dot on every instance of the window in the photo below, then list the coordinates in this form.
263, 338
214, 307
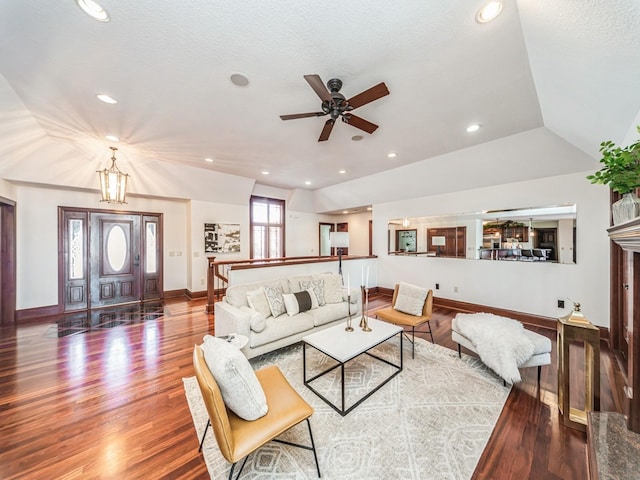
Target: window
266, 227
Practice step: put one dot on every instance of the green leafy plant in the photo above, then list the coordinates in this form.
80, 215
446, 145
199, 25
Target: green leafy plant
621, 169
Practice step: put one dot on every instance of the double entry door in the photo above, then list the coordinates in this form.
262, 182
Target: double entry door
109, 258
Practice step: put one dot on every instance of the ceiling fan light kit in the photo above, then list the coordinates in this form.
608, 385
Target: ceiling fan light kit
337, 106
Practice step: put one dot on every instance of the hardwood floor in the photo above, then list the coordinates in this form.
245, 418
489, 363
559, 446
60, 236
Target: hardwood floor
105, 400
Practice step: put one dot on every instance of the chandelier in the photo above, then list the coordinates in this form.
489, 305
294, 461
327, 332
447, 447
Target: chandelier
113, 183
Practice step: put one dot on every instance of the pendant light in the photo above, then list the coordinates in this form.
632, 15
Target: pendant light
113, 183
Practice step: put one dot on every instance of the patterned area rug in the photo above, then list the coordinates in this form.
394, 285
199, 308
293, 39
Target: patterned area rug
432, 421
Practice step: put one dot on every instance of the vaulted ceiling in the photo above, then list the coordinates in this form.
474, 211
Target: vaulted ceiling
571, 67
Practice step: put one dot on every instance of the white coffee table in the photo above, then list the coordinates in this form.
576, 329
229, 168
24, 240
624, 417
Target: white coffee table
343, 346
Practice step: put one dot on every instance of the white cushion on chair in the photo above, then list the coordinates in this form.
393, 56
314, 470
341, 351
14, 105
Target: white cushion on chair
410, 299
239, 386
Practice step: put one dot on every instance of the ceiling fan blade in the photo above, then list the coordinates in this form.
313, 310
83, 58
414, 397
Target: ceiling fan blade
302, 115
318, 86
374, 93
360, 123
326, 131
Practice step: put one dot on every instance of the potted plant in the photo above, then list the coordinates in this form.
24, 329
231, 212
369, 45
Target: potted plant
621, 171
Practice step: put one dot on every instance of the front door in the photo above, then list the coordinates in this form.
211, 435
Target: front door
109, 258
115, 263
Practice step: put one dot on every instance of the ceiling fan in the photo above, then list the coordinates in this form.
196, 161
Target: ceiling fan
335, 105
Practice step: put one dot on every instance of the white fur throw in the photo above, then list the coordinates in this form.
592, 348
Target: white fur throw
499, 341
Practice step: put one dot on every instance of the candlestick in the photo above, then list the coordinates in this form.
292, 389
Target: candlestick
349, 328
364, 321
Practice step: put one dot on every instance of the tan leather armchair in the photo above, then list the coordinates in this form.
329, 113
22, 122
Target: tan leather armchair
392, 315
237, 438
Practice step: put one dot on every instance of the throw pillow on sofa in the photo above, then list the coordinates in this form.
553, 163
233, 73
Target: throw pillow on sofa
318, 288
332, 288
239, 386
294, 282
297, 302
258, 301
276, 302
314, 300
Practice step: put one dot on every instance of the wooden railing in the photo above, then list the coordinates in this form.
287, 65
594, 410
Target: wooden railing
219, 271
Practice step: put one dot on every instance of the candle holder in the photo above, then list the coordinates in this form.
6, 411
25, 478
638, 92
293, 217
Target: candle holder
364, 322
349, 328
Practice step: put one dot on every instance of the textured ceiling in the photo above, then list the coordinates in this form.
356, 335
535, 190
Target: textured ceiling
168, 64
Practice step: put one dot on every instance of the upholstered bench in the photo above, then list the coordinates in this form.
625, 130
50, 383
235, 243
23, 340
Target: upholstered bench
534, 349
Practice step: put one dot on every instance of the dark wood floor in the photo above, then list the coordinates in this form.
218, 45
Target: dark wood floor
105, 400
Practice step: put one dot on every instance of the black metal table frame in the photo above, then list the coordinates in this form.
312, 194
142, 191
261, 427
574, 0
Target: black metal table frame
340, 364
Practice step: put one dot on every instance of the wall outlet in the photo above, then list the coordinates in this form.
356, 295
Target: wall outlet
202, 281
560, 303
437, 286
455, 289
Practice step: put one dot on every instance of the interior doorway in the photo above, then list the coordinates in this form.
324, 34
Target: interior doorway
109, 258
324, 248
8, 261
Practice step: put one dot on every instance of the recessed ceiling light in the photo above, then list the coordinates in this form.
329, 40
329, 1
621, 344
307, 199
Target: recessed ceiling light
391, 155
473, 128
264, 172
106, 98
345, 211
208, 159
342, 171
307, 182
112, 138
94, 10
357, 138
369, 209
239, 79
490, 11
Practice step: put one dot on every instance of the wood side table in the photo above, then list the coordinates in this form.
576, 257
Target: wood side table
576, 328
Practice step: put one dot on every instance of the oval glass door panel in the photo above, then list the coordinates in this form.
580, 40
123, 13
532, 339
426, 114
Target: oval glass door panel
116, 248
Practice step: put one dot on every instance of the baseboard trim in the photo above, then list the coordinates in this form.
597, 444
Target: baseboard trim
28, 314
526, 318
193, 295
383, 291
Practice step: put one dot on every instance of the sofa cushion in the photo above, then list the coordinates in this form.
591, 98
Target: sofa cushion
258, 301
236, 295
282, 326
239, 386
297, 302
295, 282
318, 288
275, 299
410, 299
332, 287
330, 312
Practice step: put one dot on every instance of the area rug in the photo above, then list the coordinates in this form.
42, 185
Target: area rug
432, 421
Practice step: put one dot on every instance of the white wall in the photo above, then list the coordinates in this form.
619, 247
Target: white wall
521, 286
526, 287
208, 212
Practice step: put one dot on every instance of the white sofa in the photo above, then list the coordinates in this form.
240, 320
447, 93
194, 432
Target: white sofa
233, 315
